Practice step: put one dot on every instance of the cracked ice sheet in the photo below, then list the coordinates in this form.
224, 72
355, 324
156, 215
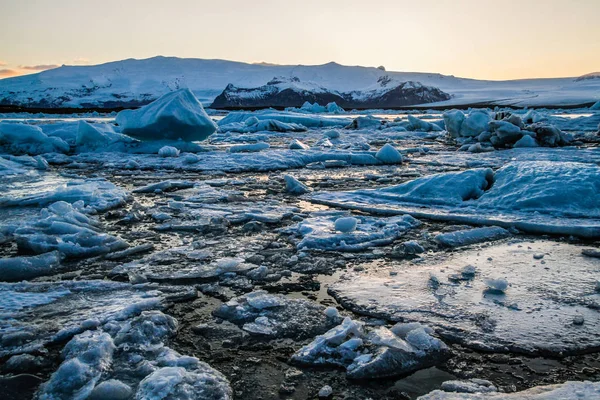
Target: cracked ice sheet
318, 232
41, 313
535, 315
538, 197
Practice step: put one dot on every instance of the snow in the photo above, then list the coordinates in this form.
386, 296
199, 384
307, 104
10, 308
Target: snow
459, 307
22, 268
176, 115
140, 81
389, 155
317, 232
29, 139
536, 196
97, 195
569, 390
471, 236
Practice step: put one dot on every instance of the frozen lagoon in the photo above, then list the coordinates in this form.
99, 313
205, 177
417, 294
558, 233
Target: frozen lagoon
199, 231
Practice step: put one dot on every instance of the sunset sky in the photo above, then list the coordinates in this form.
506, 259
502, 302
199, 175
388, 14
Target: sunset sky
469, 38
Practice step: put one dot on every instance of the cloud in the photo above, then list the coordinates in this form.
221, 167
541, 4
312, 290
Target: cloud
5, 73
3, 63
41, 67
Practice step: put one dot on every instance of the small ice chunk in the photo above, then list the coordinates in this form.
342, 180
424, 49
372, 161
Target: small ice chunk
497, 284
346, 224
332, 312
332, 134
298, 145
249, 148
168, 151
325, 392
23, 268
389, 155
526, 141
294, 186
111, 389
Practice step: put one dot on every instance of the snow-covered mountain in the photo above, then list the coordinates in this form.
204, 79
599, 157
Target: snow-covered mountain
134, 82
292, 92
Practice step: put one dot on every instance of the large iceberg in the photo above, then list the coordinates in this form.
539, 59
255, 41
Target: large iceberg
176, 115
533, 196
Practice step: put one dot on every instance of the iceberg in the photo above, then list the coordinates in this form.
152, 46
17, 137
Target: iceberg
176, 115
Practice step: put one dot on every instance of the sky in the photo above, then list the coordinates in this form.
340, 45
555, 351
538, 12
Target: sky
483, 39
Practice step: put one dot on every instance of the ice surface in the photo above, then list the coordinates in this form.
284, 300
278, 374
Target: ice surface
569, 390
543, 297
318, 232
176, 115
28, 139
538, 197
97, 195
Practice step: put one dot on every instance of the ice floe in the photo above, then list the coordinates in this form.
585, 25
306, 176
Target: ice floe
538, 197
544, 296
367, 352
318, 232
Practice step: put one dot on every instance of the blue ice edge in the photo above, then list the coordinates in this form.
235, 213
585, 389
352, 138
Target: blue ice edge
527, 222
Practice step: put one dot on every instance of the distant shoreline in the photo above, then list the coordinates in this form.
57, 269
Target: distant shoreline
73, 110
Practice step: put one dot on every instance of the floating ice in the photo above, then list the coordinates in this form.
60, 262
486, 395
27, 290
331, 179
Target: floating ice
97, 195
100, 137
538, 197
168, 151
346, 224
64, 228
176, 115
249, 148
317, 232
277, 316
29, 139
372, 353
471, 236
298, 145
294, 186
389, 155
308, 121
21, 268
